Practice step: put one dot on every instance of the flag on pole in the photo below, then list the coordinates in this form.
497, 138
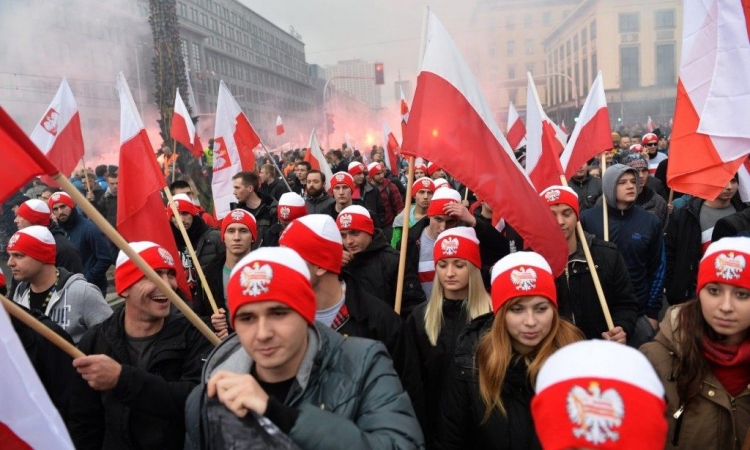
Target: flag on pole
317, 159
591, 134
191, 97
516, 129
58, 134
141, 215
710, 138
234, 142
563, 128
279, 126
650, 124
542, 146
183, 130
28, 419
390, 146
404, 112
450, 114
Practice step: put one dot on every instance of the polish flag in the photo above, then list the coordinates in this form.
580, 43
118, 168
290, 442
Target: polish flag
404, 112
191, 96
390, 145
710, 138
563, 128
58, 134
516, 128
650, 124
449, 115
183, 130
28, 418
317, 159
234, 142
140, 210
591, 134
542, 146
279, 126
743, 176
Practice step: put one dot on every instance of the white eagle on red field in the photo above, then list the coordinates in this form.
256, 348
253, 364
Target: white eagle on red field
597, 414
255, 279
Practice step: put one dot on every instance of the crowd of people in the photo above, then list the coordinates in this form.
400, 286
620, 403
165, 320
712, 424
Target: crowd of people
478, 345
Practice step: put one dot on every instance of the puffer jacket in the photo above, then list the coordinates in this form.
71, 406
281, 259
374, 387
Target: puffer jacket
346, 395
713, 419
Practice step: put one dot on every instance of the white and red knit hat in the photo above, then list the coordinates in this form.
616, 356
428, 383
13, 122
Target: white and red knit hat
271, 275
638, 148
423, 183
35, 211
441, 183
432, 168
522, 274
373, 169
342, 178
317, 240
127, 273
60, 197
291, 206
35, 241
441, 198
599, 394
561, 195
184, 205
239, 216
355, 217
649, 138
725, 261
420, 165
356, 167
458, 242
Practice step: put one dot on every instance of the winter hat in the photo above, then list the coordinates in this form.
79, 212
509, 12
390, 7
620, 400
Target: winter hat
632, 158
423, 183
432, 168
342, 178
373, 169
441, 198
522, 274
35, 241
317, 240
291, 206
127, 273
420, 165
440, 183
458, 242
355, 217
649, 138
184, 205
60, 197
240, 216
638, 148
271, 274
561, 195
35, 211
724, 262
356, 167
599, 394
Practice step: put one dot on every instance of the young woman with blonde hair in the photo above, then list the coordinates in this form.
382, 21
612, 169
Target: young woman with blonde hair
487, 398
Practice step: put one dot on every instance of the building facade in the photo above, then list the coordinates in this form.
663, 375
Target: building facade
356, 77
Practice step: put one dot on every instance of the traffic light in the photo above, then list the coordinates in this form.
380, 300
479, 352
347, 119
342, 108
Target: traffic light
329, 123
379, 75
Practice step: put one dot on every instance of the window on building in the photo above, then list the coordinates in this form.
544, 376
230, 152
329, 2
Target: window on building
547, 19
513, 95
528, 46
510, 48
664, 19
575, 43
567, 48
184, 49
509, 22
530, 68
665, 65
629, 22
584, 36
511, 72
527, 20
586, 82
593, 30
196, 57
630, 70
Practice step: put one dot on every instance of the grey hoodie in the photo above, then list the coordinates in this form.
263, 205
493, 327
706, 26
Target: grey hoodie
609, 182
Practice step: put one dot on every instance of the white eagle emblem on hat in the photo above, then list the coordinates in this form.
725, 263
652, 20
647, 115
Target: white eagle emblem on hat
345, 220
13, 239
284, 211
166, 256
238, 214
255, 279
426, 183
730, 266
449, 246
340, 177
523, 279
552, 195
596, 414
55, 197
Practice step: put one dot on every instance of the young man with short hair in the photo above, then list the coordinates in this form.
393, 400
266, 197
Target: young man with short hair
422, 190
246, 187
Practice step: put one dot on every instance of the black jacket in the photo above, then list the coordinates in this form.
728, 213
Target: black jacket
576, 295
738, 224
588, 190
493, 245
372, 201
413, 244
376, 269
207, 244
272, 235
318, 205
274, 189
107, 205
265, 215
146, 409
214, 272
67, 254
462, 409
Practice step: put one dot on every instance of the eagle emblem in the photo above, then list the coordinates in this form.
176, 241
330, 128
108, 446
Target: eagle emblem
729, 266
426, 183
284, 212
552, 195
13, 239
340, 178
345, 220
221, 156
238, 214
449, 246
255, 279
166, 256
523, 279
595, 414
55, 198
49, 122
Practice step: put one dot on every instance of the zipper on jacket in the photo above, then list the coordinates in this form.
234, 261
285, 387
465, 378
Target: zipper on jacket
572, 310
677, 415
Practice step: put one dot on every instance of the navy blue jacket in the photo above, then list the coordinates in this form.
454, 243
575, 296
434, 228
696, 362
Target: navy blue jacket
93, 247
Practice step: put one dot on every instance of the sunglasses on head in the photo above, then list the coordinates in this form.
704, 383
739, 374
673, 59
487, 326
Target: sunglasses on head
653, 144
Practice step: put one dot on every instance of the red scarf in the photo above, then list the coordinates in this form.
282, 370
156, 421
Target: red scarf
730, 364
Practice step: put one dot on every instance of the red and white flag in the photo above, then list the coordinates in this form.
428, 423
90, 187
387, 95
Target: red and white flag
542, 146
28, 419
710, 137
390, 146
563, 128
140, 211
279, 126
449, 115
592, 134
404, 112
317, 159
650, 124
516, 129
183, 130
234, 144
58, 134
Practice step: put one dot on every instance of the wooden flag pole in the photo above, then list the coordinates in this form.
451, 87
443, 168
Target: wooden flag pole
191, 250
86, 175
277, 166
604, 199
46, 332
404, 238
671, 196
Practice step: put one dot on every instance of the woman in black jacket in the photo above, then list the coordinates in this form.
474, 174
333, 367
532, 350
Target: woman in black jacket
486, 402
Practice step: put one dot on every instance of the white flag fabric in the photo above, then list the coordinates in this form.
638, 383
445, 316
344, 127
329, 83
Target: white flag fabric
317, 159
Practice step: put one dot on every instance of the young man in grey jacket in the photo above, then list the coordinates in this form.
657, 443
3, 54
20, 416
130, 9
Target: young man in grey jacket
283, 380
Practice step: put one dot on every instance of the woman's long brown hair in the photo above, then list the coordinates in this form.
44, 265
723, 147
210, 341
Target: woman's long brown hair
692, 367
495, 350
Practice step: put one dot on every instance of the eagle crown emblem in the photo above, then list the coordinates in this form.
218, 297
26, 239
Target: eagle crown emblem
449, 246
523, 278
426, 183
284, 211
729, 266
595, 414
238, 214
552, 195
49, 123
13, 239
255, 279
339, 178
345, 220
166, 256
